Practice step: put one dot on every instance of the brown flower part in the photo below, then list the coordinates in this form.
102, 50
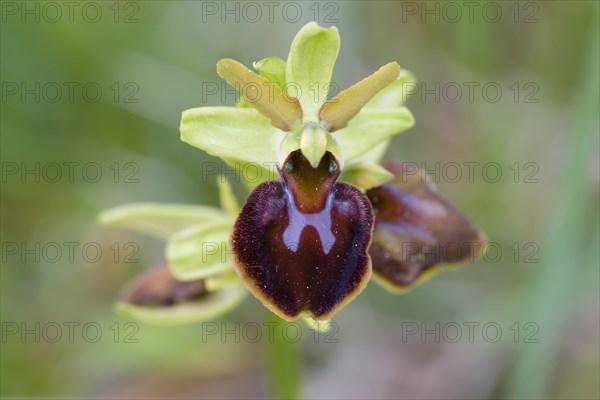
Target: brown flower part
158, 287
417, 230
301, 243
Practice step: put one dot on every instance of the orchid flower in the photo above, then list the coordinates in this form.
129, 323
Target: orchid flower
305, 243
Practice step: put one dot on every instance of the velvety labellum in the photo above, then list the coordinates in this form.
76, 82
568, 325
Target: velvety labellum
301, 244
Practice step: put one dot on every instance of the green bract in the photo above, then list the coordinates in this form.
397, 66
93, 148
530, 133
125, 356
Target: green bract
291, 111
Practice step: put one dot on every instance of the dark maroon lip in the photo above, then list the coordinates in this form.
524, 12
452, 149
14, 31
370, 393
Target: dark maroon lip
301, 243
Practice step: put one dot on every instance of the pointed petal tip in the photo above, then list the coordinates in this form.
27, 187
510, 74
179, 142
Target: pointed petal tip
337, 112
265, 96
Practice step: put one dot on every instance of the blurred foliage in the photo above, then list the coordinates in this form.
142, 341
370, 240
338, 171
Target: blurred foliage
168, 54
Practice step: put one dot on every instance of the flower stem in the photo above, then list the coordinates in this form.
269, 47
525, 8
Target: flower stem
284, 364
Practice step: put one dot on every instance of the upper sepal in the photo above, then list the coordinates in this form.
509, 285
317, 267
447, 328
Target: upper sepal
309, 66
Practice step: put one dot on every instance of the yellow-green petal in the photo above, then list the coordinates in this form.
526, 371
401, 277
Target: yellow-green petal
395, 94
392, 96
266, 96
336, 112
310, 65
160, 220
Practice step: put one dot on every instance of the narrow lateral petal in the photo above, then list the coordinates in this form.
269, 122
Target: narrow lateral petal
337, 112
395, 94
266, 96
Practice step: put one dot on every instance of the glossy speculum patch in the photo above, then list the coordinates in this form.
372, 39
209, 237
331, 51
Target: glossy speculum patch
417, 229
158, 287
301, 244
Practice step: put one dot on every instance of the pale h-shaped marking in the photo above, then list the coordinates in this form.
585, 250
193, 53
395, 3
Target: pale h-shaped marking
298, 220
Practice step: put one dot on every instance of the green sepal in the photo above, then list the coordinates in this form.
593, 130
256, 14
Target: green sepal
160, 220
310, 65
272, 68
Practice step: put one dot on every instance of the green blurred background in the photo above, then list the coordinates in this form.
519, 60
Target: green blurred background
150, 60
